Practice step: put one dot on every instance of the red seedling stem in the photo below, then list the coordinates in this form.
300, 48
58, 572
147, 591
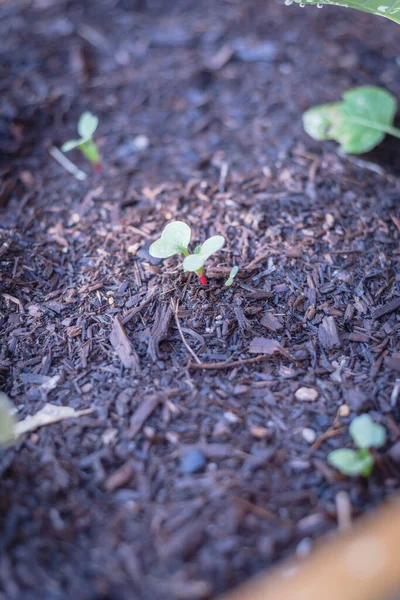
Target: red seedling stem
203, 279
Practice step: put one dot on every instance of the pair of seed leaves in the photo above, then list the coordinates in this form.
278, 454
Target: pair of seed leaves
366, 434
175, 239
87, 125
358, 123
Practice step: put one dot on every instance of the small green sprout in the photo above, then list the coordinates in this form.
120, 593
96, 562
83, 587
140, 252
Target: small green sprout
175, 240
358, 123
366, 434
87, 125
232, 275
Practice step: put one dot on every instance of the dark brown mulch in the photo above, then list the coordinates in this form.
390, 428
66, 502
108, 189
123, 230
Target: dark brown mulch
188, 478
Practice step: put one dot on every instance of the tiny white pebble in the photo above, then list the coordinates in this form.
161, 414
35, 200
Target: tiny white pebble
344, 410
309, 435
306, 394
231, 417
141, 143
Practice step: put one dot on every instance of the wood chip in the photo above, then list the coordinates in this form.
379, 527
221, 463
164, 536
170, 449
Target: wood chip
328, 334
393, 362
271, 322
261, 345
122, 346
386, 308
159, 330
147, 407
119, 478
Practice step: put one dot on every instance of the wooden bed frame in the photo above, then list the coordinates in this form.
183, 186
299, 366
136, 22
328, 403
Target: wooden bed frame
362, 564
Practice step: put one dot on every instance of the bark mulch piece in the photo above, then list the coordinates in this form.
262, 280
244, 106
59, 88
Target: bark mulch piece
201, 463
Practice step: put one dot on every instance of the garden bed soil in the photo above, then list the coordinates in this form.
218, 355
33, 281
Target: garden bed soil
196, 469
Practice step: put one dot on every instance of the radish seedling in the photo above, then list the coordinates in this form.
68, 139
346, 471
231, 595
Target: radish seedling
358, 124
175, 240
366, 434
232, 275
87, 125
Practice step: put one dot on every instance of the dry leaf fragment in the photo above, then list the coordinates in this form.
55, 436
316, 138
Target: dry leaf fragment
123, 347
261, 345
50, 413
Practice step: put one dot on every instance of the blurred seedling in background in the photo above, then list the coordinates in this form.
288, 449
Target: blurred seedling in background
232, 275
175, 239
87, 125
6, 421
358, 123
366, 435
391, 9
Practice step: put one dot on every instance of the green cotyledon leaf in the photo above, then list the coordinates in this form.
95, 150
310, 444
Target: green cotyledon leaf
174, 239
351, 462
87, 125
366, 433
194, 262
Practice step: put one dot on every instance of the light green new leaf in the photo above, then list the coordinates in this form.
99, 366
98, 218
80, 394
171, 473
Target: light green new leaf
232, 275
174, 239
6, 421
194, 262
87, 125
366, 433
389, 9
351, 462
71, 144
358, 123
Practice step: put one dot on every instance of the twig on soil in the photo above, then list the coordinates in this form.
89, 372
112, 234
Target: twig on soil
350, 251
175, 309
332, 432
260, 511
67, 164
229, 364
